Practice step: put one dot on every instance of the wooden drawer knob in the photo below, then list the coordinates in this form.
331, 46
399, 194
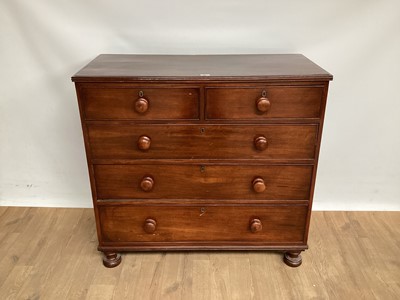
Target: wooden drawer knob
259, 185
144, 143
141, 105
263, 104
147, 184
255, 225
150, 225
261, 143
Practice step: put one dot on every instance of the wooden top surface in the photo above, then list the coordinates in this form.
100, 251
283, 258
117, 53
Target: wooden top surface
129, 67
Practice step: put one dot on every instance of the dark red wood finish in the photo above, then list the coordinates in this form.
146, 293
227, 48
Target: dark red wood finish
204, 224
175, 181
201, 68
249, 102
144, 103
119, 141
202, 152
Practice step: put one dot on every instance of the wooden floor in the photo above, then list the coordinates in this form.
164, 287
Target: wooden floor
48, 253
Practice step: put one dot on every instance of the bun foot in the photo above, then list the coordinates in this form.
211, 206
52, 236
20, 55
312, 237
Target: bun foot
292, 259
111, 259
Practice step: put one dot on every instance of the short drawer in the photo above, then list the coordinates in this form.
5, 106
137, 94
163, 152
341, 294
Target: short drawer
192, 181
109, 141
264, 224
263, 102
140, 103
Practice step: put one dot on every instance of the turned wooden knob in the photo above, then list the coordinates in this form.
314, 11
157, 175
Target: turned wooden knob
263, 104
255, 225
259, 185
144, 143
141, 105
147, 184
261, 143
150, 225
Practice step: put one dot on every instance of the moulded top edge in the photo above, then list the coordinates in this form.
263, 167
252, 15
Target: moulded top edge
120, 67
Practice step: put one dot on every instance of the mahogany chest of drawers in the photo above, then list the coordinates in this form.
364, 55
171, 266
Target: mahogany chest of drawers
202, 152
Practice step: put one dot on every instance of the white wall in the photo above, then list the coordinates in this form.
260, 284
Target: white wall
43, 43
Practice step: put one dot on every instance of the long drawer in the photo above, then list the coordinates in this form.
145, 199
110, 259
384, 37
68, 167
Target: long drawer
263, 102
189, 181
111, 141
262, 223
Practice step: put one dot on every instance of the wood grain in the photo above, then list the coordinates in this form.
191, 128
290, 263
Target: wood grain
50, 253
150, 121
202, 182
284, 102
108, 102
202, 224
119, 141
126, 67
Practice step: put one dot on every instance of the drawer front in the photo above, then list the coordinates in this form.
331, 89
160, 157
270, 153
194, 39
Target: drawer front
202, 141
174, 181
140, 104
250, 103
267, 224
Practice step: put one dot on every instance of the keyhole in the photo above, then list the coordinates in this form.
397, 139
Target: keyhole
264, 93
202, 211
202, 169
202, 130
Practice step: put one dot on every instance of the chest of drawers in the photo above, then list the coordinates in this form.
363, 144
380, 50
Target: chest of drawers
202, 152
